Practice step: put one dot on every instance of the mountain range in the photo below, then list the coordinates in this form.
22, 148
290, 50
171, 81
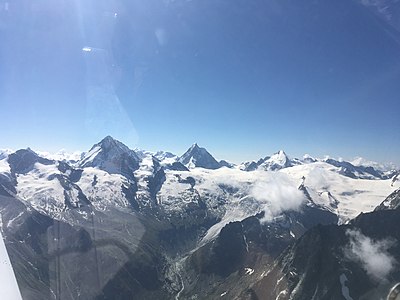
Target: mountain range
117, 223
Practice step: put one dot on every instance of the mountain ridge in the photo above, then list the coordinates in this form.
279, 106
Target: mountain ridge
154, 223
358, 167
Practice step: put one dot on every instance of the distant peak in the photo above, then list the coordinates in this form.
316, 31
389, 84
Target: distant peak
27, 150
195, 146
109, 142
109, 145
196, 156
112, 156
108, 139
280, 153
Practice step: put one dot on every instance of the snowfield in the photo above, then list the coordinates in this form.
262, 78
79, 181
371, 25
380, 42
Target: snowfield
103, 189
353, 195
42, 190
247, 193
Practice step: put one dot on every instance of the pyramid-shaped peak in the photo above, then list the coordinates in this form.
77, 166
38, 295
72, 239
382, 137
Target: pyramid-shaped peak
194, 146
281, 153
277, 161
279, 156
112, 156
197, 156
109, 141
23, 160
112, 146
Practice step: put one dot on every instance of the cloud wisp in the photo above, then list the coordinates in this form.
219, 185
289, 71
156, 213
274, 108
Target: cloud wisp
371, 254
276, 195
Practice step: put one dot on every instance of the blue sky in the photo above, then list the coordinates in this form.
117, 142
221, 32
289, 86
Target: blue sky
242, 78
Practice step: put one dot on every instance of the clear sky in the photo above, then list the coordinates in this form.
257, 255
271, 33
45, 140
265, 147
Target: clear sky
243, 78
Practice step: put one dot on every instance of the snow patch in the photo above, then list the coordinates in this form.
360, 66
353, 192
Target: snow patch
248, 271
4, 166
42, 190
282, 295
345, 290
107, 191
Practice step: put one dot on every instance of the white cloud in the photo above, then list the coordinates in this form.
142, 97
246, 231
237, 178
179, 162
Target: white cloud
318, 178
372, 255
277, 194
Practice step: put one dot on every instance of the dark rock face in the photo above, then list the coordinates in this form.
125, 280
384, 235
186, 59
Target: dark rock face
318, 259
7, 185
349, 170
74, 175
156, 181
176, 166
22, 161
199, 157
224, 163
252, 166
243, 248
227, 253
391, 202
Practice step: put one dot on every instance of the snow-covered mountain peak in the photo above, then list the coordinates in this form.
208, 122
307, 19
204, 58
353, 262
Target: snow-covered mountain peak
111, 144
110, 147
112, 156
23, 160
279, 157
277, 161
21, 153
195, 147
197, 156
308, 158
